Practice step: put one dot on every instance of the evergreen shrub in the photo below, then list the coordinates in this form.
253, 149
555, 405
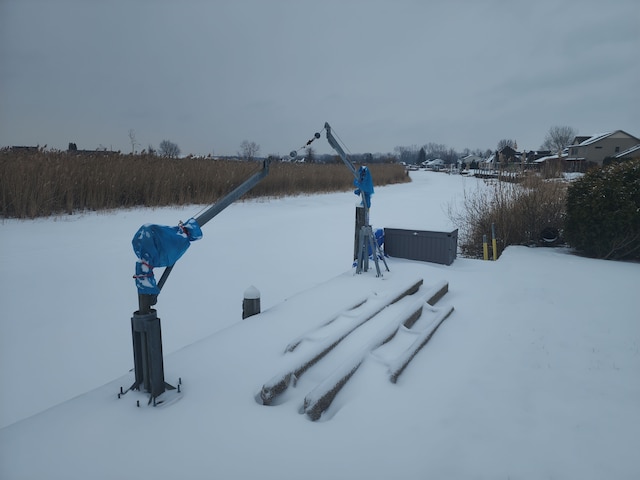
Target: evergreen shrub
603, 212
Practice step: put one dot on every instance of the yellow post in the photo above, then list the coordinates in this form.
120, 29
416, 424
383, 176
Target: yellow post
494, 243
485, 247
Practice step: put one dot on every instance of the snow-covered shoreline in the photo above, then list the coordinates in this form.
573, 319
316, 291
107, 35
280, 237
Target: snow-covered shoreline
534, 375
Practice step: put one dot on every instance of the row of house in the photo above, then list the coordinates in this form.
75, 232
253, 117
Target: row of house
584, 151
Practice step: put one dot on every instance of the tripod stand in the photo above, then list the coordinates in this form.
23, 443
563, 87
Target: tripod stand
365, 243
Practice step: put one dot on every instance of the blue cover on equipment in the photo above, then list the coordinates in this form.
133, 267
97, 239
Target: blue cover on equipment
379, 234
364, 182
160, 246
379, 239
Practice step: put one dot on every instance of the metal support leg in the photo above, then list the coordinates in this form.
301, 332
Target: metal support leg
381, 255
361, 251
360, 221
374, 251
367, 243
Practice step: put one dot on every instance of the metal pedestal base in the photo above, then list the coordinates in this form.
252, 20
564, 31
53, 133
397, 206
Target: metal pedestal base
147, 354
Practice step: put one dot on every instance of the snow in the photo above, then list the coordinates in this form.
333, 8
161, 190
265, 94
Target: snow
252, 293
535, 373
596, 138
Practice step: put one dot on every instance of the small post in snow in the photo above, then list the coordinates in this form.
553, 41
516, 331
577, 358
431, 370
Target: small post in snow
251, 302
494, 243
485, 247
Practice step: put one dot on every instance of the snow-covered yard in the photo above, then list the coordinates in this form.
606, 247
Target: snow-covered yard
535, 374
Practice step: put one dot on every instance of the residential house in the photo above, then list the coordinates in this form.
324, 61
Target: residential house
73, 149
535, 155
24, 149
508, 154
489, 162
469, 159
594, 149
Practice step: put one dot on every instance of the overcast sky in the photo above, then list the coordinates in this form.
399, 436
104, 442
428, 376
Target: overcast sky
208, 74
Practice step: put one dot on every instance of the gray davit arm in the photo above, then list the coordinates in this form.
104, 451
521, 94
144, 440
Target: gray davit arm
219, 206
146, 301
336, 146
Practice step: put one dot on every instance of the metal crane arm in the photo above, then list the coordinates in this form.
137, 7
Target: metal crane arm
146, 301
218, 207
234, 195
336, 146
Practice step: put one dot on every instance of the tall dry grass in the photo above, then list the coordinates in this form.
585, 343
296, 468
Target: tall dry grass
519, 211
44, 183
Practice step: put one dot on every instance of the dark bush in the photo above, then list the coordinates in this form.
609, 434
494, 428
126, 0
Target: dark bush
603, 212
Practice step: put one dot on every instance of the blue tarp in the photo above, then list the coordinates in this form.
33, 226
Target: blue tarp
160, 246
364, 184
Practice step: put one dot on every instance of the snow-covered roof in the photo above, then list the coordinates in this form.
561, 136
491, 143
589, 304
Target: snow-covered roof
629, 151
549, 157
595, 138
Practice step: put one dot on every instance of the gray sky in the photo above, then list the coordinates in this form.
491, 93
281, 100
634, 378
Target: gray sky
208, 74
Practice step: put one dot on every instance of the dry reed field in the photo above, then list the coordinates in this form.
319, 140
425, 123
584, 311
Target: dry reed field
44, 183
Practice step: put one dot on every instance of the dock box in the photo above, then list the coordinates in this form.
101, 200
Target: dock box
435, 247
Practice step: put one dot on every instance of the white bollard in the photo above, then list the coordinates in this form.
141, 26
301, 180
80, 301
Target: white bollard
251, 302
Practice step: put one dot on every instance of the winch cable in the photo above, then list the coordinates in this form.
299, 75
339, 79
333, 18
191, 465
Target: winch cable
294, 153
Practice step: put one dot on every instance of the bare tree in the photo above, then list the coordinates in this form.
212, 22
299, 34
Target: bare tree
558, 137
505, 142
435, 150
248, 150
310, 155
408, 155
132, 139
168, 149
450, 156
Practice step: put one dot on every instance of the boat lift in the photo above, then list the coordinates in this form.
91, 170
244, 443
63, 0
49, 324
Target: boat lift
366, 243
161, 246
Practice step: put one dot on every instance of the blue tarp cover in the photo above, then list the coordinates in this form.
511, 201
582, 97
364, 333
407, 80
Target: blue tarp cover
160, 246
364, 184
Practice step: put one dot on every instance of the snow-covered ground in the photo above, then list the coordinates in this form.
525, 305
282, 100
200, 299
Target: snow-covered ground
535, 374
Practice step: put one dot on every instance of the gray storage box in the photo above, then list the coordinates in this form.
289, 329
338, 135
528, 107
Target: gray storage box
436, 247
